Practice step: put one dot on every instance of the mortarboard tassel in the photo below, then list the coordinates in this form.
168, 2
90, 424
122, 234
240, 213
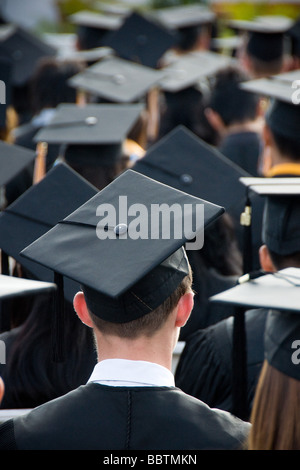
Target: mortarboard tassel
245, 221
239, 366
58, 320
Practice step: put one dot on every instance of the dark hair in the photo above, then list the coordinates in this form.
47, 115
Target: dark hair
149, 323
233, 104
287, 146
186, 107
285, 261
49, 87
30, 375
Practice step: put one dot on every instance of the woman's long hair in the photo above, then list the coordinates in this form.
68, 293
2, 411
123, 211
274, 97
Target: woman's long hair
275, 412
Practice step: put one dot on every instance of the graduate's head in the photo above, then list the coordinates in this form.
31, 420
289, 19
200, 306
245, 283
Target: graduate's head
125, 247
149, 319
281, 233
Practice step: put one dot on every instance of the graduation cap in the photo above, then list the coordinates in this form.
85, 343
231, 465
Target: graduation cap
117, 80
184, 16
93, 134
278, 291
124, 274
141, 40
265, 35
281, 218
12, 287
24, 50
190, 69
93, 27
184, 161
37, 210
283, 114
187, 21
13, 159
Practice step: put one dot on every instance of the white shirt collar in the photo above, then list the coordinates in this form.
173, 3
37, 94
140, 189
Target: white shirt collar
127, 373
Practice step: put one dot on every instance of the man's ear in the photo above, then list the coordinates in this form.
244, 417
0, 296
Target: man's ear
81, 309
184, 309
266, 262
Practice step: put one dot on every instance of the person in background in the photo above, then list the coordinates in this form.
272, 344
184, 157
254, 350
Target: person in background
235, 115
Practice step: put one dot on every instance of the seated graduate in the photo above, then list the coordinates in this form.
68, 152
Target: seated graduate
235, 115
136, 294
205, 368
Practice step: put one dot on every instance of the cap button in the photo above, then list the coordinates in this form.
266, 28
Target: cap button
186, 179
91, 121
120, 229
119, 79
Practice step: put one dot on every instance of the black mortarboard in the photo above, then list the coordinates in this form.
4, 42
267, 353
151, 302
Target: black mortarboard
278, 291
90, 124
184, 161
13, 159
265, 35
11, 287
37, 210
117, 80
281, 218
187, 21
281, 341
141, 40
92, 134
189, 69
24, 49
127, 268
283, 114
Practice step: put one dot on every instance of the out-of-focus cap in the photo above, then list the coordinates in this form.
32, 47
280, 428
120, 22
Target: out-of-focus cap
13, 159
24, 49
184, 161
11, 287
41, 207
117, 80
91, 124
189, 69
141, 40
184, 16
279, 291
96, 20
283, 114
265, 35
281, 218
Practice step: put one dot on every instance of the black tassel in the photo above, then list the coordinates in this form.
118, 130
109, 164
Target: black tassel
4, 263
239, 366
58, 320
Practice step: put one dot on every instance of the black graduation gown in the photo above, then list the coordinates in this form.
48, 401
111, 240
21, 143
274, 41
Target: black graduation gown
102, 417
244, 149
205, 366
